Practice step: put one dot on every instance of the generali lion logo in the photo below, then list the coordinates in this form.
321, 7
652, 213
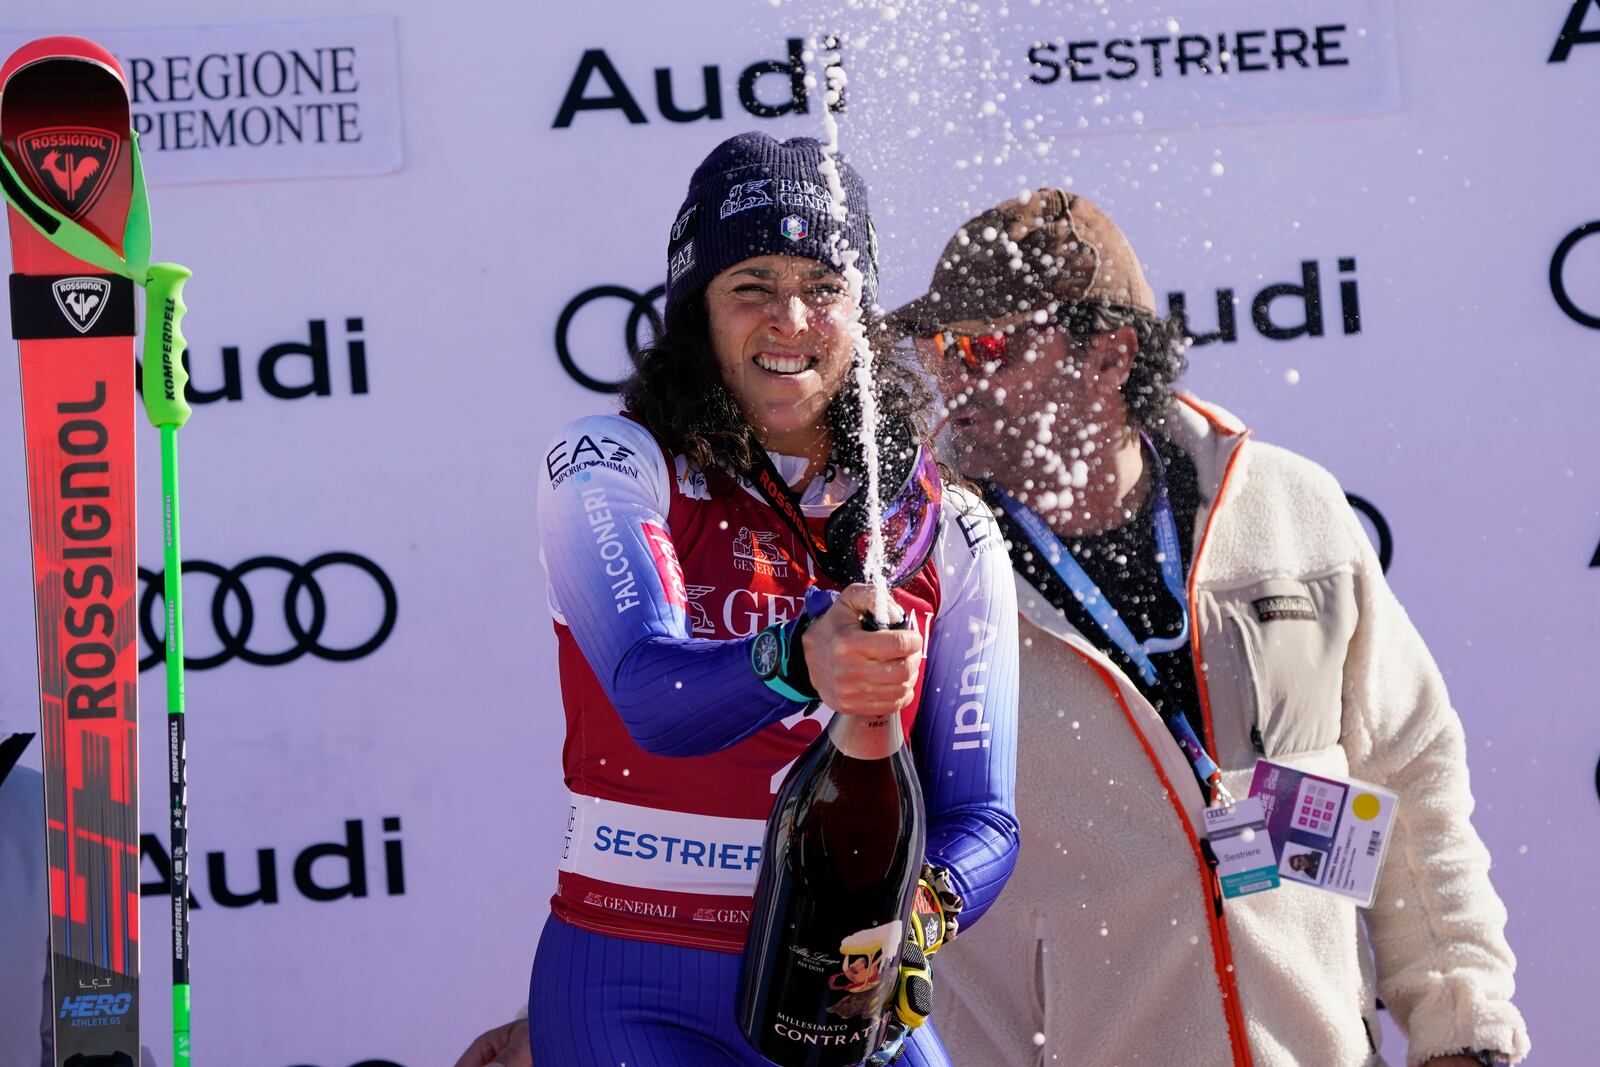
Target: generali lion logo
699, 619
758, 551
70, 164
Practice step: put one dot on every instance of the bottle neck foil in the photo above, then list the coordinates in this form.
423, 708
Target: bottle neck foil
866, 737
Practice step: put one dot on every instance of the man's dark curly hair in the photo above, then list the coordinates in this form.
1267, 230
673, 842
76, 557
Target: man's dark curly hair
1160, 362
677, 391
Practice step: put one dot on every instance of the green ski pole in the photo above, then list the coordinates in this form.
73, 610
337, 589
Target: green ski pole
164, 403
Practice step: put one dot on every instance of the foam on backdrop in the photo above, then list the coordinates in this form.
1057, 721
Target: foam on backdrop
432, 235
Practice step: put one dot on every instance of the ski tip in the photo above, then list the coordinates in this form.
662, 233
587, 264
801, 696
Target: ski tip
54, 48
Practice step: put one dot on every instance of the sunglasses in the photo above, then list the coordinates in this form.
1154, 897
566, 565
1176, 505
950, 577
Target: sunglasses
979, 352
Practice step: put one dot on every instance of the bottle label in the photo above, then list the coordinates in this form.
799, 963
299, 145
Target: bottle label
868, 958
859, 977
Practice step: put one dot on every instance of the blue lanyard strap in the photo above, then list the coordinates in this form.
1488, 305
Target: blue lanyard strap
1169, 558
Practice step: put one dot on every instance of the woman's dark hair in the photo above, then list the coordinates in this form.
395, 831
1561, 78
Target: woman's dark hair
677, 391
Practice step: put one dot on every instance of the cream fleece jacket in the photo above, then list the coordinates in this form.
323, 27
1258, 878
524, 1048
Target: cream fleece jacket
1106, 945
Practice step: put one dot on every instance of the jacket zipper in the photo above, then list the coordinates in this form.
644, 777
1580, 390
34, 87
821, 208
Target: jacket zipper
1221, 948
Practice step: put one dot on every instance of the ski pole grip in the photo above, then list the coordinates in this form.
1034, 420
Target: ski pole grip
164, 376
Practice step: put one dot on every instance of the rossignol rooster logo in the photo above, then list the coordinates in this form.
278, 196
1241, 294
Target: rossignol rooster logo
70, 164
81, 300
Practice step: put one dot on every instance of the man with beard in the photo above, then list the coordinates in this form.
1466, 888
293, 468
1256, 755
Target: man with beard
1192, 600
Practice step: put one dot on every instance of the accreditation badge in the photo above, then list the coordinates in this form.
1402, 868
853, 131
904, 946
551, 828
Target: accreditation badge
1330, 833
1243, 847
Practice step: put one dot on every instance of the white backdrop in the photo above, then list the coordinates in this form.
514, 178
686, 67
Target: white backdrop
435, 240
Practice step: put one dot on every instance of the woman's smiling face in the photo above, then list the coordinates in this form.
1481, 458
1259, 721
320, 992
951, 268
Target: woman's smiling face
781, 331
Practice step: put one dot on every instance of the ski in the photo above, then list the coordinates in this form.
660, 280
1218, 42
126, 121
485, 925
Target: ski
66, 139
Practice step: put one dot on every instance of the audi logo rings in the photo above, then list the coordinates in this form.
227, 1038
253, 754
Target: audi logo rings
1558, 281
642, 309
1380, 528
235, 639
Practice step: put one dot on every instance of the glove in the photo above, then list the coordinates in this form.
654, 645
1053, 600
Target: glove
894, 1045
913, 990
935, 911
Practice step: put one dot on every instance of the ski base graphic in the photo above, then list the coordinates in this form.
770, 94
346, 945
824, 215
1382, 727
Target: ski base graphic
64, 128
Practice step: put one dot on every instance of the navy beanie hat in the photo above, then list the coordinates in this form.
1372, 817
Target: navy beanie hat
755, 196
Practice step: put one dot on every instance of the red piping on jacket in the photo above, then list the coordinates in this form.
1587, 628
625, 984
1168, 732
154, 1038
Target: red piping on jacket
1232, 1006
1221, 948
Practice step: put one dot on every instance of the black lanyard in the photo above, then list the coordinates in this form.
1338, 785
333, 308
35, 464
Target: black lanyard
763, 474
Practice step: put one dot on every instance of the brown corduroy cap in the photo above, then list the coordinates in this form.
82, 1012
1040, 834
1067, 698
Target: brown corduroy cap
1031, 253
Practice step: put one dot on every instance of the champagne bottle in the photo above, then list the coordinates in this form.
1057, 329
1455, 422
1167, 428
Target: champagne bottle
843, 849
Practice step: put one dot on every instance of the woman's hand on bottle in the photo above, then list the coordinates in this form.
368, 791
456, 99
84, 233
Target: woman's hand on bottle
857, 671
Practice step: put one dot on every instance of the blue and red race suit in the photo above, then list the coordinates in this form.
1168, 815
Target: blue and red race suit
674, 747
